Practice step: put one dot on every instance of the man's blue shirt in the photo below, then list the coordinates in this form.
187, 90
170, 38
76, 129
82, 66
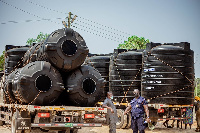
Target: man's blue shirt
137, 107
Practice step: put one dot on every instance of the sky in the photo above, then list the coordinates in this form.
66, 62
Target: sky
104, 23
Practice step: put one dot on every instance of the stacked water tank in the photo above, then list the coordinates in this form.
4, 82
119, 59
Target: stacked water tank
125, 74
51, 68
100, 62
168, 73
14, 55
52, 72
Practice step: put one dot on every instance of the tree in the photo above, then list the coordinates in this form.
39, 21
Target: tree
2, 61
134, 42
39, 38
197, 84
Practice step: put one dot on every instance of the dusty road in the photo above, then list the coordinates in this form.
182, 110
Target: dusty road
159, 129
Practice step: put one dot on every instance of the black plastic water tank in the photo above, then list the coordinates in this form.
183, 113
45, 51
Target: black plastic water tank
168, 73
31, 54
37, 83
8, 85
85, 86
125, 74
101, 63
65, 49
13, 58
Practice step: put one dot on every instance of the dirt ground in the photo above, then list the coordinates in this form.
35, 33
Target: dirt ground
159, 128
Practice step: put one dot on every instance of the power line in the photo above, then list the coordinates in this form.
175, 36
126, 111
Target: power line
29, 20
98, 31
27, 12
58, 23
104, 34
105, 26
45, 7
95, 33
81, 18
101, 28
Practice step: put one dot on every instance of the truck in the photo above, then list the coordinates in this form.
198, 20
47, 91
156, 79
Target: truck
164, 74
30, 118
183, 114
34, 78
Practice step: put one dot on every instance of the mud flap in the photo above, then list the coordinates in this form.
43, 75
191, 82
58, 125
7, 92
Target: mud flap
23, 124
23, 121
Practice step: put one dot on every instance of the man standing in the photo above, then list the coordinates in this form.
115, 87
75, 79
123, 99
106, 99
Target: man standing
138, 107
197, 111
111, 112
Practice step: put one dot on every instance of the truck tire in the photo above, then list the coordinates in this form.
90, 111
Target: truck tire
73, 130
128, 121
38, 83
5, 98
36, 130
26, 131
85, 86
122, 119
68, 130
2, 123
198, 118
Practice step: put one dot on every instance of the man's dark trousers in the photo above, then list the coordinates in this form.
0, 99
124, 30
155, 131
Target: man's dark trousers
138, 124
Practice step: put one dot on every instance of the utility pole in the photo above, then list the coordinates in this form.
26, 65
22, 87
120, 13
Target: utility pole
196, 86
70, 20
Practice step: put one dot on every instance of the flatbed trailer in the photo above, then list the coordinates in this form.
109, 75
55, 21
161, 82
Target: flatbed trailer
183, 114
28, 118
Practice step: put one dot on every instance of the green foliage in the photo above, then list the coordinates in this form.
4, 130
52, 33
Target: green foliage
2, 61
134, 42
197, 82
39, 38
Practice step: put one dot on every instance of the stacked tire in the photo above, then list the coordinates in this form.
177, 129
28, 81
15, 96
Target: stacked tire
125, 74
40, 82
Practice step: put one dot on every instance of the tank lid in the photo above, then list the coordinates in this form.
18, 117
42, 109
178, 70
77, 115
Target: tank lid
117, 51
168, 47
90, 54
131, 52
184, 45
9, 47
